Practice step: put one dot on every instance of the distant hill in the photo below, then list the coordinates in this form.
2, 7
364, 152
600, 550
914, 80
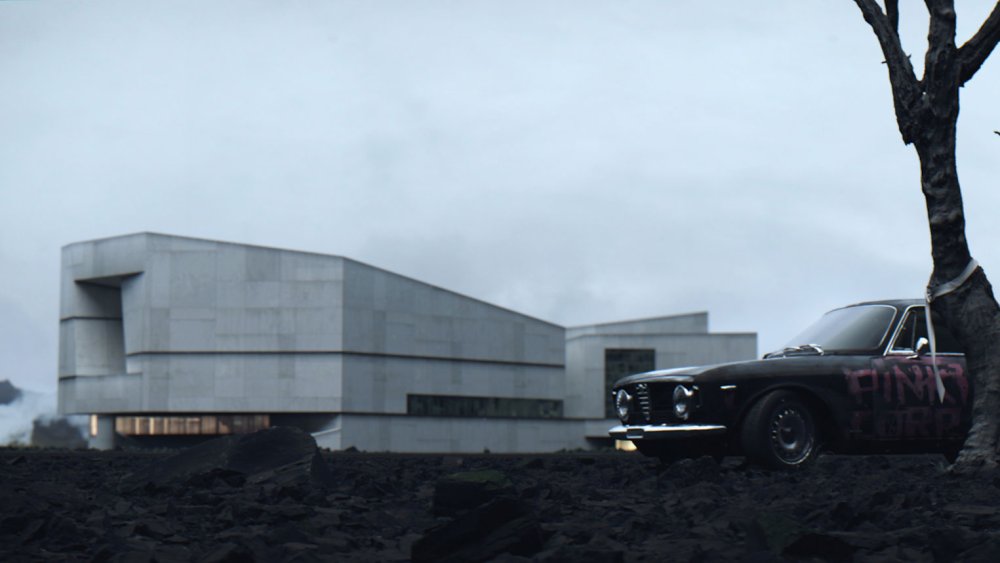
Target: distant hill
8, 393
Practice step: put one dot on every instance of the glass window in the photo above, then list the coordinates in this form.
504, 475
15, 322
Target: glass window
851, 328
191, 425
498, 407
915, 327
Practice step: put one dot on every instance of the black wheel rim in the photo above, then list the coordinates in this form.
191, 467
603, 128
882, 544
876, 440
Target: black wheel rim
791, 434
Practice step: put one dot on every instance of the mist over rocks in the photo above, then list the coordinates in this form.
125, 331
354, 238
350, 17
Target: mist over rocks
30, 418
600, 506
56, 433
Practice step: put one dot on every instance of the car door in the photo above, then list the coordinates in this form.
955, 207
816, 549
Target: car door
905, 398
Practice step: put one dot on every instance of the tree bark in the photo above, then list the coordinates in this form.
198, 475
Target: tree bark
971, 311
927, 115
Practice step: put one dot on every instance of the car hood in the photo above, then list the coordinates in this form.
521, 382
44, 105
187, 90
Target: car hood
736, 371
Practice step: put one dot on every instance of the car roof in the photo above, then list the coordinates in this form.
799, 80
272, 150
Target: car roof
897, 303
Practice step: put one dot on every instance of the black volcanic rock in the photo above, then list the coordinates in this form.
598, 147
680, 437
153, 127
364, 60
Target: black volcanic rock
466, 490
503, 525
282, 455
8, 393
62, 505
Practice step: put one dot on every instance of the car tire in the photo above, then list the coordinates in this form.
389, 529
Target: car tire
780, 432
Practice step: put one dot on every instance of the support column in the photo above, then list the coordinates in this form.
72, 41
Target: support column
329, 436
102, 432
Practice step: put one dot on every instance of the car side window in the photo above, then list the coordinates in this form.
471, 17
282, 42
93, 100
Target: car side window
915, 327
905, 340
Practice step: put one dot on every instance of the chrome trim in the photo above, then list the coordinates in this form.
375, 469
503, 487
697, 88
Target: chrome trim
684, 396
651, 376
727, 387
898, 329
819, 349
661, 432
621, 398
890, 351
643, 402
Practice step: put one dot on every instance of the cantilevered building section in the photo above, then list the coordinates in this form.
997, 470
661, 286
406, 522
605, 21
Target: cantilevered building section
163, 335
170, 338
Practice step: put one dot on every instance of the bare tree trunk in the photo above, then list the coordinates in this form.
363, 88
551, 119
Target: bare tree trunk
927, 114
971, 310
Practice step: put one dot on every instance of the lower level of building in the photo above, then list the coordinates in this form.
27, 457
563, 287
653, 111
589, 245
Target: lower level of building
360, 431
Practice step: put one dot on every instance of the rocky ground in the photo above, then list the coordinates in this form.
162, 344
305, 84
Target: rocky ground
252, 501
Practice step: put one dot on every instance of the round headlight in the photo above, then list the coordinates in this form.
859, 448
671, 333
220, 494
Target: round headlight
623, 404
682, 402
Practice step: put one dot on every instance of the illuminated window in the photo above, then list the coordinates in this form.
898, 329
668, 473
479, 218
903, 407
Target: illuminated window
190, 425
498, 407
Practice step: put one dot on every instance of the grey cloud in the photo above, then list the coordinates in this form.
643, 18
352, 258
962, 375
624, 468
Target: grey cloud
579, 162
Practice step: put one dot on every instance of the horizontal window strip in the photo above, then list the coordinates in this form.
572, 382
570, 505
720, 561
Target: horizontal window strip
188, 425
482, 407
341, 353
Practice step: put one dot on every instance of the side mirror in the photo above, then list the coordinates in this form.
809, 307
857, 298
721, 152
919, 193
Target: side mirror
922, 345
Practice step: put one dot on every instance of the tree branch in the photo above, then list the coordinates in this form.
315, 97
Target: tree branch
973, 54
887, 36
941, 60
892, 12
906, 90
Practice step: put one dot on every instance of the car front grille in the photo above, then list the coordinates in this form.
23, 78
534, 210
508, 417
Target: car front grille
655, 403
643, 403
652, 403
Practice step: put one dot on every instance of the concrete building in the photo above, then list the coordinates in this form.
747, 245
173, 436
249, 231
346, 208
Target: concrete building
164, 336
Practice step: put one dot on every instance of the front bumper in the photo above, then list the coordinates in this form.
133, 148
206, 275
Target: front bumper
663, 432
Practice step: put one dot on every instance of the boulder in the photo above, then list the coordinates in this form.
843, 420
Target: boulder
503, 525
463, 491
283, 456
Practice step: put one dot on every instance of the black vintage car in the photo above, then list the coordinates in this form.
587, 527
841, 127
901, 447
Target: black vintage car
860, 380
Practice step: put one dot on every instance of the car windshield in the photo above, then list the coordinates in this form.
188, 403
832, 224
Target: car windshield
851, 328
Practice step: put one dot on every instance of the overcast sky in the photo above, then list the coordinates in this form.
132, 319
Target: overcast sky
579, 161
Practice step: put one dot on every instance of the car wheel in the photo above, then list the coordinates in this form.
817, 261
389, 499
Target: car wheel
780, 431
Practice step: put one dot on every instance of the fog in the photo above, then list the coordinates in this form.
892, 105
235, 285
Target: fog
16, 417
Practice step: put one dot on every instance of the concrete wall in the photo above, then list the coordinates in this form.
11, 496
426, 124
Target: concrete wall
386, 313
690, 323
431, 434
185, 325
